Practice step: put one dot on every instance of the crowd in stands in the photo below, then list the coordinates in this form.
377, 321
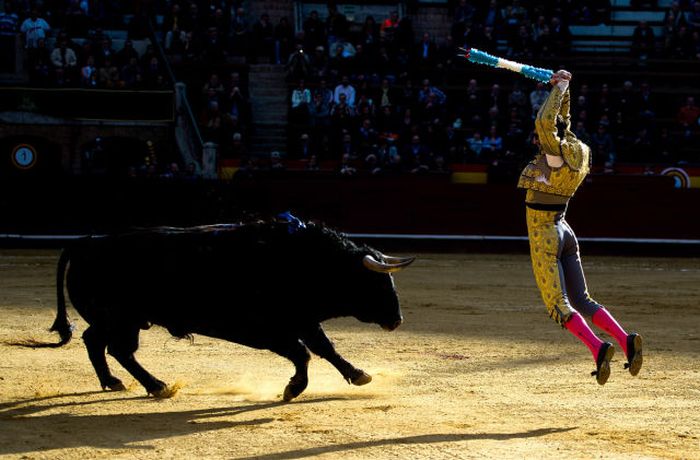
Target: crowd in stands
383, 100
66, 45
377, 95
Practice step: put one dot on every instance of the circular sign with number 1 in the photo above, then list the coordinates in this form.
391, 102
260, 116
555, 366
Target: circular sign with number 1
24, 156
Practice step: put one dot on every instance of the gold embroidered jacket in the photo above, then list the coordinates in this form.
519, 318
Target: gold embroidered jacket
538, 175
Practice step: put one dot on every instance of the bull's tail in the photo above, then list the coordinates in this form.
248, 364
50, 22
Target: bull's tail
62, 324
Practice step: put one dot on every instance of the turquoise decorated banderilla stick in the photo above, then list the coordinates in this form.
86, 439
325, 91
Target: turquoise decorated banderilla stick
479, 57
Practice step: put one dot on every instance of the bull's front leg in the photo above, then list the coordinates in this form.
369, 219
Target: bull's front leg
318, 342
298, 354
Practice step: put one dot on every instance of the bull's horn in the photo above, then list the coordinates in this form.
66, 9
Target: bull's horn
385, 267
391, 260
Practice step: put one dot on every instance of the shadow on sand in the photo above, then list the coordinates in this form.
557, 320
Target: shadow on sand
25, 429
414, 440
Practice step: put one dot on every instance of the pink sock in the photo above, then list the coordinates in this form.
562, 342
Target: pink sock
578, 327
604, 320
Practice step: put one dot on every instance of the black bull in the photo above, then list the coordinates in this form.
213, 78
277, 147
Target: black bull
267, 285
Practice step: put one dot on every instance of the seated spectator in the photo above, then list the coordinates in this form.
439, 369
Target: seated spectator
319, 63
427, 89
693, 16
475, 146
276, 163
537, 98
130, 72
389, 27
105, 52
88, 74
65, 64
301, 100
320, 111
344, 89
603, 150
213, 89
386, 95
493, 143
687, 117
108, 75
304, 149
313, 164
346, 166
124, 55
238, 148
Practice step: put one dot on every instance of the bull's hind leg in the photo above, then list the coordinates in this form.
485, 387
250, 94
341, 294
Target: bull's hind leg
318, 342
297, 353
96, 343
123, 343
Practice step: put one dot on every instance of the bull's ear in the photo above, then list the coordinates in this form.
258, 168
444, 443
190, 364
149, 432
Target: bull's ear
392, 265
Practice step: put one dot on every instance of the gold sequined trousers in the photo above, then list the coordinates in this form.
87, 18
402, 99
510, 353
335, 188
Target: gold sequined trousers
556, 263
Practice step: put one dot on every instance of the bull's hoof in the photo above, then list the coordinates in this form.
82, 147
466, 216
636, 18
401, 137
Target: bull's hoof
118, 386
294, 388
114, 384
167, 391
360, 378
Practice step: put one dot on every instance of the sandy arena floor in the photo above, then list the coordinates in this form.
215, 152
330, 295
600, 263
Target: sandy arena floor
477, 370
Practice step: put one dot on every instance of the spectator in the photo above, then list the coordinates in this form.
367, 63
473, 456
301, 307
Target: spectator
493, 143
284, 37
346, 167
65, 64
475, 146
687, 117
693, 16
464, 13
602, 147
88, 73
643, 41
427, 89
537, 98
108, 75
319, 63
314, 31
239, 32
561, 36
130, 73
213, 89
389, 28
276, 163
34, 28
304, 149
336, 26
124, 55
105, 52
213, 47
9, 21
346, 89
426, 54
298, 64
39, 60
301, 100
369, 36
263, 38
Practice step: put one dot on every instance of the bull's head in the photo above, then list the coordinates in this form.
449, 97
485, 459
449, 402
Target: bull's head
383, 305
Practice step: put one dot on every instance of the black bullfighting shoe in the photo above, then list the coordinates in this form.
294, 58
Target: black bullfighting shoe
634, 353
602, 363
